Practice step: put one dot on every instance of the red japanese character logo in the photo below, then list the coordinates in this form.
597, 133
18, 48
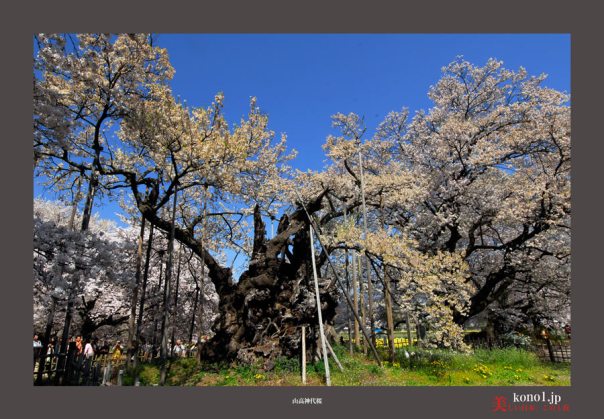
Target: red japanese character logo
500, 404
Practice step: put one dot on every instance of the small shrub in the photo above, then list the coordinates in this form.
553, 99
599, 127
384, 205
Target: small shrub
246, 372
149, 375
318, 367
127, 379
195, 378
376, 370
437, 368
354, 364
284, 365
181, 369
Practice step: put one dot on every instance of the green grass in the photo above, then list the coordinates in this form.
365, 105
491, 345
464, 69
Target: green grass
498, 367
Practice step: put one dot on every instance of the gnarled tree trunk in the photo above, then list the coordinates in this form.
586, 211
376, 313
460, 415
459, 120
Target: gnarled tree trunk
261, 314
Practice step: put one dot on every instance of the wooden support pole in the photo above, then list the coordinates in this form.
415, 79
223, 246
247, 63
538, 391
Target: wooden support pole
387, 296
141, 308
408, 321
385, 279
303, 354
355, 296
349, 326
363, 305
176, 299
367, 270
319, 314
132, 344
389, 317
335, 357
167, 310
202, 271
550, 349
337, 277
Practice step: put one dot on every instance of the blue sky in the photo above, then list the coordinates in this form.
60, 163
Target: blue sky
301, 80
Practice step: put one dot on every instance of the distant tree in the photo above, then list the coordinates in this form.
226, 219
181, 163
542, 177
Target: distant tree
92, 268
484, 174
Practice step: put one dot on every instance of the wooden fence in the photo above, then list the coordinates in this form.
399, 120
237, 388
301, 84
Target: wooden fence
546, 349
77, 370
553, 351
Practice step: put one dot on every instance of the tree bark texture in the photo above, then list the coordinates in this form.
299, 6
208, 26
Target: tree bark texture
260, 315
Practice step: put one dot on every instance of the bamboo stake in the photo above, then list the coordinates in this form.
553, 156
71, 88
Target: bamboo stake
355, 296
194, 311
201, 291
363, 303
369, 284
389, 316
156, 293
409, 341
335, 357
319, 314
176, 298
337, 277
388, 297
167, 314
303, 354
350, 347
132, 350
139, 322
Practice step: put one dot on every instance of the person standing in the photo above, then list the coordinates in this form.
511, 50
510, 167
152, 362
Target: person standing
180, 351
37, 348
50, 350
71, 346
89, 350
37, 343
117, 351
79, 346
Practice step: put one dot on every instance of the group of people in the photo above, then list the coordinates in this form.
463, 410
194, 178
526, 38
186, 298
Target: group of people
178, 350
77, 346
92, 348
